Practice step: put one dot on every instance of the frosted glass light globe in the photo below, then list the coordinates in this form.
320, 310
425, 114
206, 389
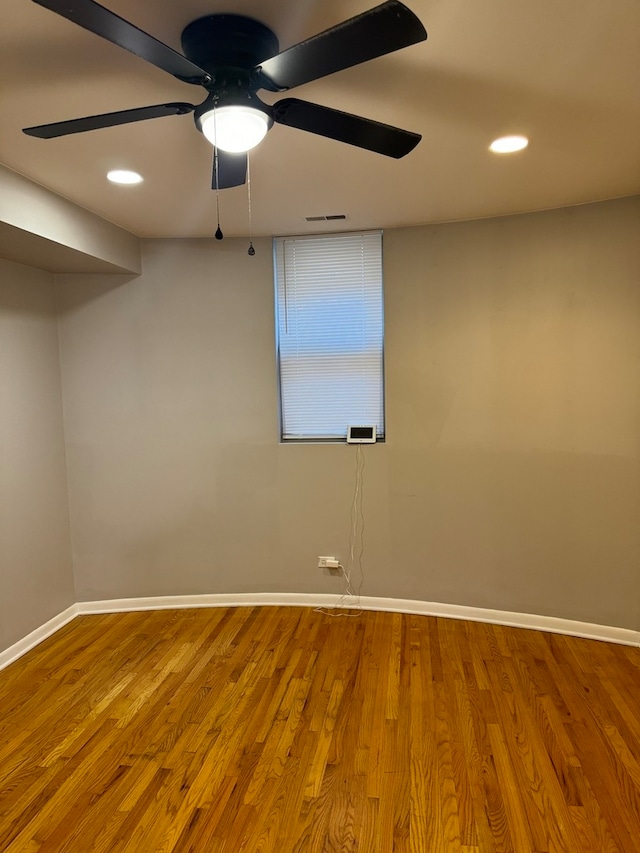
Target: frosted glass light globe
234, 128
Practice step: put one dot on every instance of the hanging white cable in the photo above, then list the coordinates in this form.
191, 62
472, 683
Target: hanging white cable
350, 598
361, 552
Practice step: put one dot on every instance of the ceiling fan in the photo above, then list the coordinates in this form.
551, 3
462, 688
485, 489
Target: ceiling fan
232, 57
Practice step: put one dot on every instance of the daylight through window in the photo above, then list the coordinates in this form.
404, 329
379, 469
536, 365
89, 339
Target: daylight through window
329, 316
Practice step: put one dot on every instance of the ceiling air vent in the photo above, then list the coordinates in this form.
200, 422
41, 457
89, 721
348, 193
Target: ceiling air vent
330, 218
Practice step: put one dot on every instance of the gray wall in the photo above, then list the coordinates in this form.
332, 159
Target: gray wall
514, 412
510, 477
36, 579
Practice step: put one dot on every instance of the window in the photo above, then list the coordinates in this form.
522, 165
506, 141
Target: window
329, 316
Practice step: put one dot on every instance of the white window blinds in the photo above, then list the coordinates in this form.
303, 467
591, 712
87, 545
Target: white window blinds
329, 314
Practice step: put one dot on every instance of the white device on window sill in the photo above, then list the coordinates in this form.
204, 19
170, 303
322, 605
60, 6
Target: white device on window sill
361, 434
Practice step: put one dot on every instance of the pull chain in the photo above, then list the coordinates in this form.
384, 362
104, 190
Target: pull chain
218, 235
250, 251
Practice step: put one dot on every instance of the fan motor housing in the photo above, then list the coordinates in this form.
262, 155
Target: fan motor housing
228, 43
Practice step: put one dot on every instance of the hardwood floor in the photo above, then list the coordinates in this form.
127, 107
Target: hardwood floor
283, 729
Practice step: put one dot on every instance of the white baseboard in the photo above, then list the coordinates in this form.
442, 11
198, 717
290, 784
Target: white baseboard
552, 624
36, 637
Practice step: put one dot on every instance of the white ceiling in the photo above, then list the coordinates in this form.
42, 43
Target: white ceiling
564, 72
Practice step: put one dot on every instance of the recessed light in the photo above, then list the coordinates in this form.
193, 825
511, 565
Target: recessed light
508, 144
124, 176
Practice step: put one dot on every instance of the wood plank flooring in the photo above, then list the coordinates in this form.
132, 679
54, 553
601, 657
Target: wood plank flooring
284, 729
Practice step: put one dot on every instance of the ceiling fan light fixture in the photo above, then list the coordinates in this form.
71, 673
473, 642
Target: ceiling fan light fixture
124, 176
508, 144
234, 128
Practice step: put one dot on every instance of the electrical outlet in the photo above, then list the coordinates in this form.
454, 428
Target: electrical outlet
328, 563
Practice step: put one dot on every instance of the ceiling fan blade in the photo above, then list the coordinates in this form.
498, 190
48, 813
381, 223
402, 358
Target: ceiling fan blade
232, 169
80, 125
345, 127
388, 27
113, 28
